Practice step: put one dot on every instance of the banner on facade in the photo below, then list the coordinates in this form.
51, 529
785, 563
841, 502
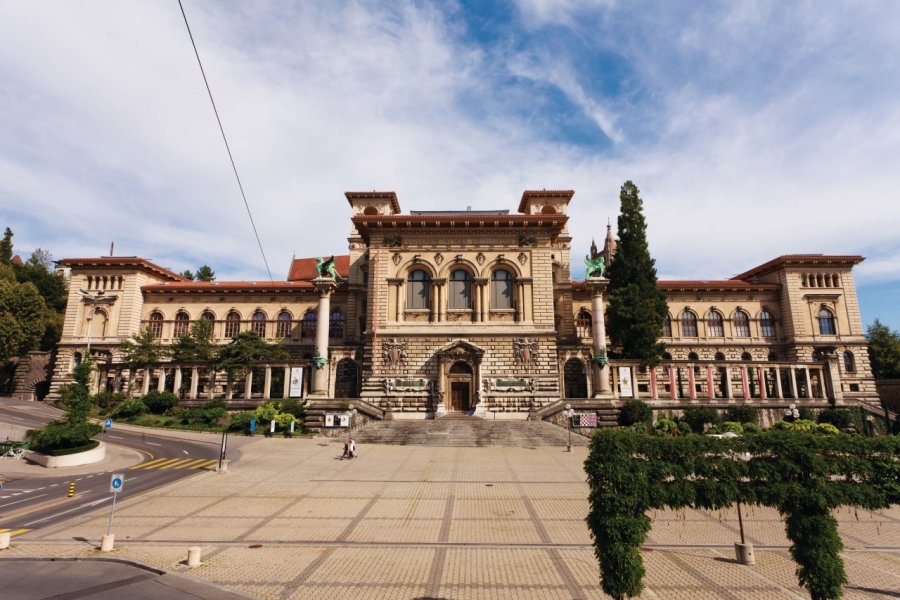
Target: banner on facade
625, 389
296, 389
345, 420
584, 420
329, 420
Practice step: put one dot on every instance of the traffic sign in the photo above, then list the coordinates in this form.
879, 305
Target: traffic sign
117, 483
107, 424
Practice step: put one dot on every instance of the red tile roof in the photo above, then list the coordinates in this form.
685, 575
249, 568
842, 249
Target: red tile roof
304, 269
218, 287
824, 260
122, 261
17, 260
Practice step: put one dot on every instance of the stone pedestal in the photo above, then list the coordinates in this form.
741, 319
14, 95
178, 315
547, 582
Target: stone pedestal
325, 287
597, 285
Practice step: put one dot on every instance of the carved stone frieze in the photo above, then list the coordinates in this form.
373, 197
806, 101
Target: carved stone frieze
394, 351
526, 350
396, 258
523, 258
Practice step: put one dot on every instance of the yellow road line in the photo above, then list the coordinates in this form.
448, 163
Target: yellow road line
14, 532
190, 464
181, 462
148, 464
208, 464
166, 463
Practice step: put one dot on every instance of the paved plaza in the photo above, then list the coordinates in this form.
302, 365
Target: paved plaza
292, 520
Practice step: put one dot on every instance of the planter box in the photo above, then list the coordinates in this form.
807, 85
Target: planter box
69, 460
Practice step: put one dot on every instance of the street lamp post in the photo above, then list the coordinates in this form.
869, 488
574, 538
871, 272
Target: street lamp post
569, 413
352, 419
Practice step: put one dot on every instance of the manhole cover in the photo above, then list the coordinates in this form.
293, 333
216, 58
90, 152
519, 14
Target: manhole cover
255, 546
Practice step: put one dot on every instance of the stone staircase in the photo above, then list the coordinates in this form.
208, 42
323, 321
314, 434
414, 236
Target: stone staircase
466, 431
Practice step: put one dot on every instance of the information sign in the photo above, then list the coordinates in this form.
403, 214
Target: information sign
107, 424
117, 483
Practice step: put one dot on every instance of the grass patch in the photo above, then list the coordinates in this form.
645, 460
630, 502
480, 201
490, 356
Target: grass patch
167, 422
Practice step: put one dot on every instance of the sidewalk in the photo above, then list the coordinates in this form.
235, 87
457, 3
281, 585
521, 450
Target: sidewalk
292, 520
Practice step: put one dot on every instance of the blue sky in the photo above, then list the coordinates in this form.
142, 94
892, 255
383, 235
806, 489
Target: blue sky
752, 128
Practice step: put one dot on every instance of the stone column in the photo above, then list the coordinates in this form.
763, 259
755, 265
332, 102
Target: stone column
794, 393
287, 383
597, 285
728, 391
778, 391
248, 384
267, 384
176, 383
161, 382
325, 287
145, 385
484, 301
194, 383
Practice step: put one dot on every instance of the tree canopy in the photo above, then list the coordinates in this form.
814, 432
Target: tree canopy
884, 350
196, 344
204, 273
245, 349
636, 308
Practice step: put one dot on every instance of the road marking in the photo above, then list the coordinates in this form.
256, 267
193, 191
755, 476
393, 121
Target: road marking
22, 500
40, 488
115, 437
14, 532
185, 451
16, 418
94, 503
148, 464
153, 444
54, 485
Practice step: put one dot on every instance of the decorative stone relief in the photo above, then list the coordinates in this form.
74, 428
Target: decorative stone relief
526, 350
393, 241
398, 384
438, 258
523, 258
396, 258
527, 240
511, 384
479, 258
394, 351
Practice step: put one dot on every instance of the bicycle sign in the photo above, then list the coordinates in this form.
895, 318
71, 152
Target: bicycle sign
117, 483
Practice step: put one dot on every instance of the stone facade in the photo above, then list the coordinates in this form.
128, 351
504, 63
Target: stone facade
476, 311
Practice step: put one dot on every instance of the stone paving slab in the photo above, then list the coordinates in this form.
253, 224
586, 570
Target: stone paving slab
290, 520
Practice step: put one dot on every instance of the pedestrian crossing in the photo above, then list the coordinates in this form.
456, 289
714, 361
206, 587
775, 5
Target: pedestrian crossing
14, 532
177, 463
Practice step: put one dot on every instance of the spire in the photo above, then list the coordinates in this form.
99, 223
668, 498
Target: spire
609, 244
593, 249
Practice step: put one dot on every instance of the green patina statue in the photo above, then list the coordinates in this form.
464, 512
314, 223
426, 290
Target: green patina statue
326, 269
595, 266
319, 361
600, 359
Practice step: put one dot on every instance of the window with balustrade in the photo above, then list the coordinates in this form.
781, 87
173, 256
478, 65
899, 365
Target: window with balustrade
232, 324
309, 324
285, 320
418, 289
182, 323
741, 324
766, 324
688, 324
460, 290
826, 322
502, 289
258, 323
156, 324
715, 324
336, 324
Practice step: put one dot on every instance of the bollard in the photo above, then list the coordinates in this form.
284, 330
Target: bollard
222, 467
106, 544
4, 540
193, 559
71, 489
744, 554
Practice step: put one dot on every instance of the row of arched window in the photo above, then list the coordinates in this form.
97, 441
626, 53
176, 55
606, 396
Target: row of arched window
715, 324
284, 323
418, 290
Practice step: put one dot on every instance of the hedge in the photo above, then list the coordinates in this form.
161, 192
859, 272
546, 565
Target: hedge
801, 474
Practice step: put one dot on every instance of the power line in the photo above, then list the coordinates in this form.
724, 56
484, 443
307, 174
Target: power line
225, 139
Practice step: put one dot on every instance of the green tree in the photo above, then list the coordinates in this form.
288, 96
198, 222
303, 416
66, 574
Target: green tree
637, 307
23, 318
245, 349
187, 274
75, 431
41, 258
142, 350
196, 345
205, 273
6, 246
884, 350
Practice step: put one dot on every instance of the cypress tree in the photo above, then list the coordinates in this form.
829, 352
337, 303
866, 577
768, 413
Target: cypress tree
637, 307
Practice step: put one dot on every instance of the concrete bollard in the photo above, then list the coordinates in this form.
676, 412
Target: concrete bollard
4, 540
106, 544
193, 559
223, 468
744, 554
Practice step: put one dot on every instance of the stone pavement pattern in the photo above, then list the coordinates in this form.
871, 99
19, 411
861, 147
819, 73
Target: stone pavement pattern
438, 522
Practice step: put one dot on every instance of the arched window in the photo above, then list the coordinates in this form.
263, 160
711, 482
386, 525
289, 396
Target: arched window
336, 324
308, 326
258, 324
816, 355
575, 379
715, 324
345, 381
741, 324
232, 324
502, 289
746, 356
766, 324
370, 211
849, 362
693, 356
688, 324
208, 315
182, 323
826, 322
98, 326
667, 326
156, 323
548, 210
460, 368
460, 290
720, 356
418, 290
583, 324
773, 356
283, 329
666, 356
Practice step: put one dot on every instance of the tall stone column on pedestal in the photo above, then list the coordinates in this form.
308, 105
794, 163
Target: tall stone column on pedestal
325, 287
597, 285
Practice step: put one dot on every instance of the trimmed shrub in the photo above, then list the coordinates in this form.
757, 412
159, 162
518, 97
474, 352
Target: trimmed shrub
666, 427
742, 414
239, 422
731, 426
131, 408
107, 401
698, 417
61, 435
159, 403
751, 428
292, 407
684, 428
807, 413
635, 411
839, 417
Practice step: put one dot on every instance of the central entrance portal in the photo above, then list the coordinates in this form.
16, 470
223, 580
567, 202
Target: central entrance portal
460, 379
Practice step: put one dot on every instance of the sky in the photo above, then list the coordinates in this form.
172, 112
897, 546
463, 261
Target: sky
753, 129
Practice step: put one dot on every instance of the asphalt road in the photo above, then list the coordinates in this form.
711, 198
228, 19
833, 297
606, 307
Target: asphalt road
31, 503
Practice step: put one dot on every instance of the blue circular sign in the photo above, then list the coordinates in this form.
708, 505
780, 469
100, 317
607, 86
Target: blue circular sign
117, 483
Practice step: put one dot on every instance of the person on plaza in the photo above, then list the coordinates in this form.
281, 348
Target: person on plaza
349, 449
